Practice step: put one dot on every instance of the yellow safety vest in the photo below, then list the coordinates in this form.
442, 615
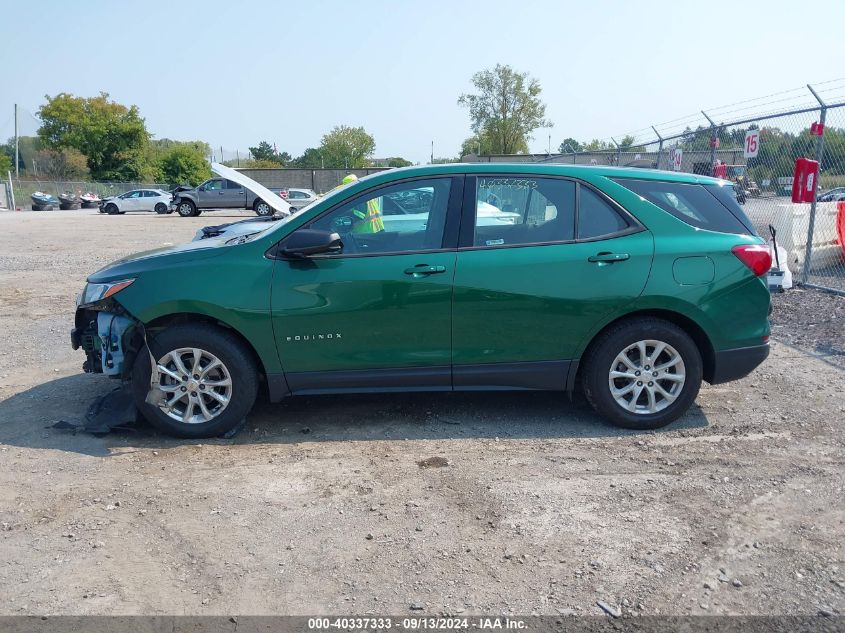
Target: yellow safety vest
371, 221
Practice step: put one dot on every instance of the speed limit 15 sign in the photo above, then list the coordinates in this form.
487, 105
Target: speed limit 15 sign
752, 143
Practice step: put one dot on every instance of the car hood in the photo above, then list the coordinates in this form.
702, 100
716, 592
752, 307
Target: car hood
159, 258
273, 199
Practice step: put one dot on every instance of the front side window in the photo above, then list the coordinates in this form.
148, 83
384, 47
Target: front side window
131, 194
409, 216
214, 185
523, 210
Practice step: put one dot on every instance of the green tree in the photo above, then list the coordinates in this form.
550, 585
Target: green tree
266, 152
506, 109
596, 145
399, 162
482, 144
5, 163
347, 147
183, 163
111, 136
569, 146
28, 148
311, 158
63, 164
627, 141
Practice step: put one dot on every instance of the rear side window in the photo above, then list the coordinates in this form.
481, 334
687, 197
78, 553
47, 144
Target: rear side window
727, 196
694, 204
596, 218
511, 211
230, 184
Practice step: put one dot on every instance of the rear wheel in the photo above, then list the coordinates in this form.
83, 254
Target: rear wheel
262, 208
186, 209
205, 381
642, 373
161, 208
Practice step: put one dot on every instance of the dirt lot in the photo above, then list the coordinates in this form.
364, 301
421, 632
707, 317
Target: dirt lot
511, 503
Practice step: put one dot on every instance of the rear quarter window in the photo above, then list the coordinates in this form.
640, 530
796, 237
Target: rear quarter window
708, 207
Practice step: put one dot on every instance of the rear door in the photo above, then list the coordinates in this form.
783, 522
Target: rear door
541, 261
149, 200
235, 197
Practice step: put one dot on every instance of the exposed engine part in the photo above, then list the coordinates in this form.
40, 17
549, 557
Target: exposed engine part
110, 330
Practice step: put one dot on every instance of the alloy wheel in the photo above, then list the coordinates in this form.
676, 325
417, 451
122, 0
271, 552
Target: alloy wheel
196, 386
646, 377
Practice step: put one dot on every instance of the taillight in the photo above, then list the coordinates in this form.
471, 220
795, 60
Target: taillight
756, 256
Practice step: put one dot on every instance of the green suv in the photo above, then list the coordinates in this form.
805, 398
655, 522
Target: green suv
631, 285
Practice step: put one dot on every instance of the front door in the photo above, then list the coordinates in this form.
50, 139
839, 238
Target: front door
531, 282
133, 201
378, 314
212, 193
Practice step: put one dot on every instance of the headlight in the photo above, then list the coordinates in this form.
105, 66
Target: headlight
98, 292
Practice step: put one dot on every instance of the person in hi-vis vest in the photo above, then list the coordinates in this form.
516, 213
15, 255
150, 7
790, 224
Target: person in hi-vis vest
369, 220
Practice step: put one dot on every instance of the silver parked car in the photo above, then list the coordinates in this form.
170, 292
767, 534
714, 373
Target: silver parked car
137, 200
299, 198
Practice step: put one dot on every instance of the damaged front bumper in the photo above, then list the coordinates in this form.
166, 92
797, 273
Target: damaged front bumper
109, 336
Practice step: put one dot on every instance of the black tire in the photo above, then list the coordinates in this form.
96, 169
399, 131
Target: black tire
161, 208
603, 352
111, 209
228, 349
186, 209
197, 213
262, 208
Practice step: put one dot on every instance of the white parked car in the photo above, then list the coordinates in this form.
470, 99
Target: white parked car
137, 200
298, 198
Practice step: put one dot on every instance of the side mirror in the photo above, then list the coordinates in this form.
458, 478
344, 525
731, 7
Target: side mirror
307, 242
201, 188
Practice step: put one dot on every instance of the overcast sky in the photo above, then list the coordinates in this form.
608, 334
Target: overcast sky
234, 73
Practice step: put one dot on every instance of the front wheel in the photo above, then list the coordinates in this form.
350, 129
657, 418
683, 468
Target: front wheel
262, 208
186, 209
111, 209
204, 382
642, 373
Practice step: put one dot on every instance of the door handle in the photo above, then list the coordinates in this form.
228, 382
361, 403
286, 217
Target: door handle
608, 258
220, 193
422, 270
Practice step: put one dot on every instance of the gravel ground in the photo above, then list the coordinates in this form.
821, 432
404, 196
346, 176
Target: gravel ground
813, 321
458, 503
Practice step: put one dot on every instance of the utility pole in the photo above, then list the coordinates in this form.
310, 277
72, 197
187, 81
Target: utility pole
17, 152
549, 152
432, 152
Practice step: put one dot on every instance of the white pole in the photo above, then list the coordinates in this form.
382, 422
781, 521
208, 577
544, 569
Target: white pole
12, 191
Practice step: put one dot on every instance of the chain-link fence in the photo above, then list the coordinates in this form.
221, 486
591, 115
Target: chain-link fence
756, 149
22, 189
